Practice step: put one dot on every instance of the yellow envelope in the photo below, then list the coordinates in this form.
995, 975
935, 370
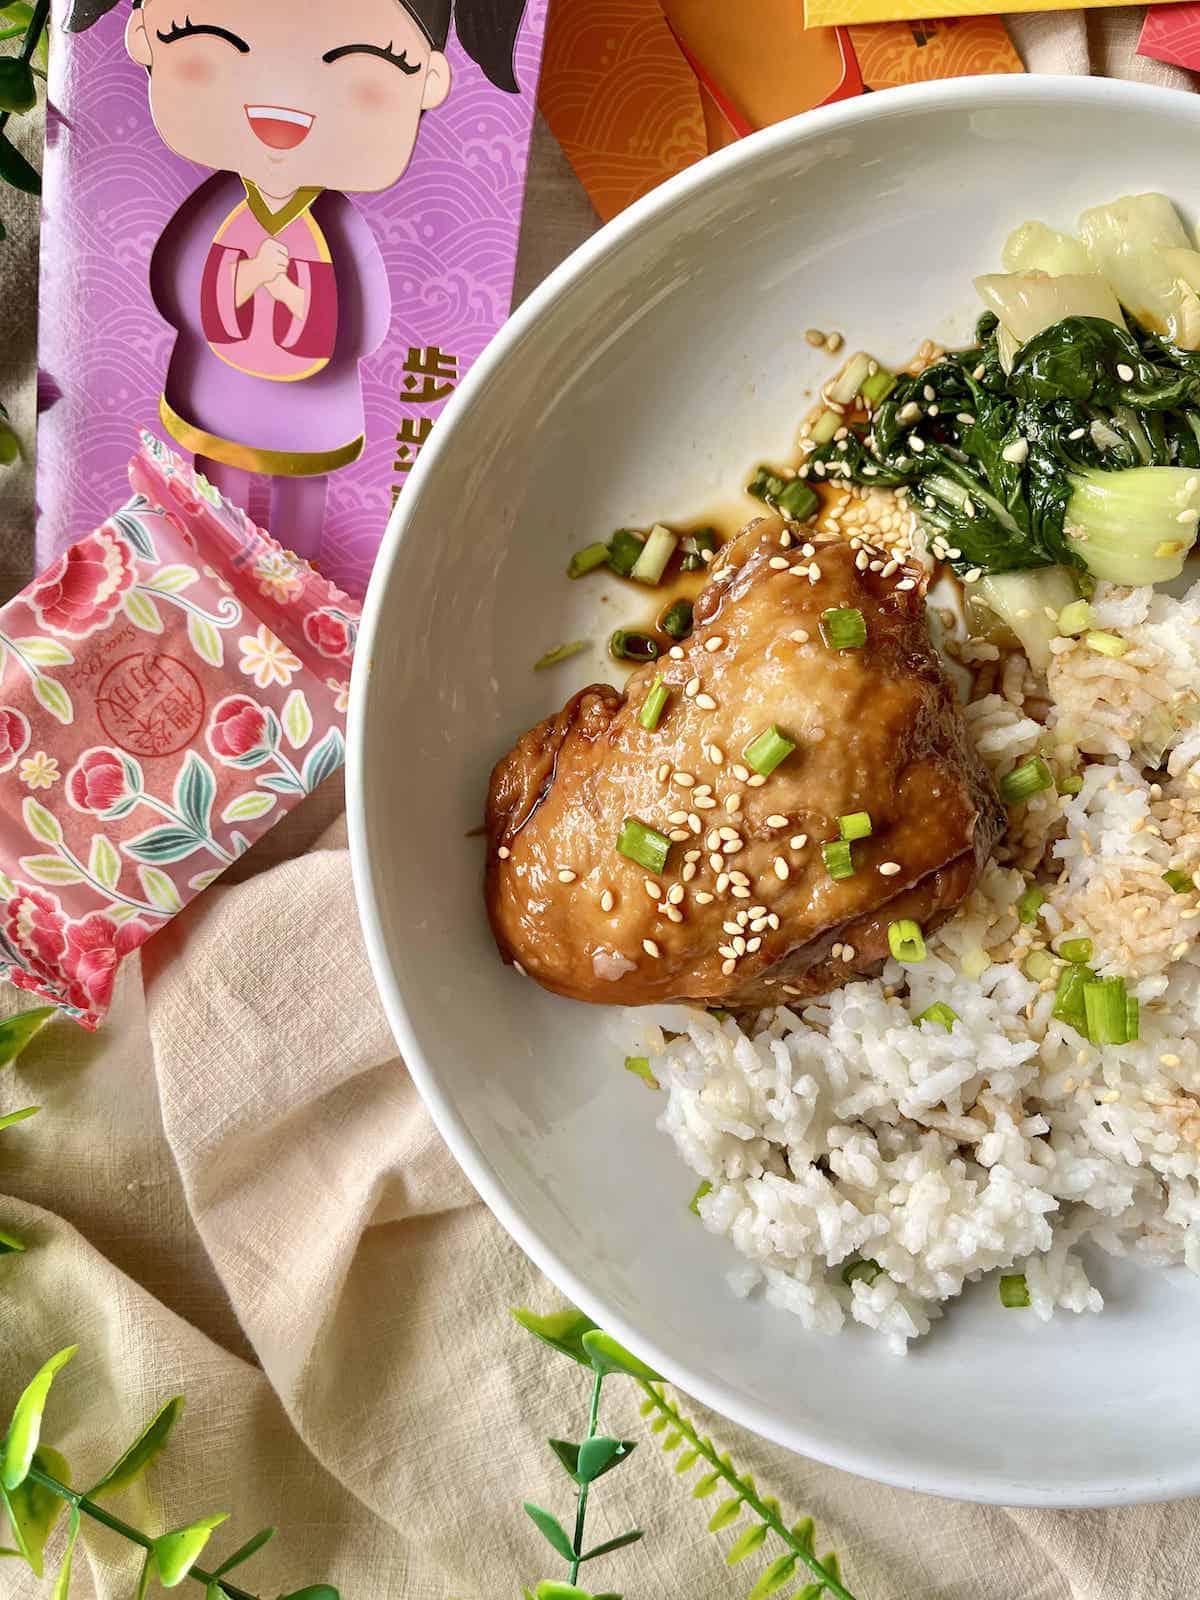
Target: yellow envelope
823, 13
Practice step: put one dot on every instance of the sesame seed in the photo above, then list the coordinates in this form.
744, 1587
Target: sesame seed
714, 644
798, 841
715, 754
566, 875
889, 869
694, 821
781, 868
1017, 452
722, 883
689, 871
974, 575
716, 861
674, 895
776, 821
691, 687
739, 946
799, 636
785, 539
685, 780
517, 967
504, 852
752, 945
677, 835
664, 771
755, 780
740, 772
731, 847
703, 898
673, 913
739, 893
706, 702
773, 921
778, 563
713, 840
728, 833
847, 952
677, 818
836, 952
606, 900
740, 879
814, 572
728, 966
807, 550
651, 949
1124, 372
676, 652
731, 927
705, 802
654, 890
906, 584
916, 444
733, 804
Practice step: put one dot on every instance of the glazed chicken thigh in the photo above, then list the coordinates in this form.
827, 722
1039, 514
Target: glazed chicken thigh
772, 743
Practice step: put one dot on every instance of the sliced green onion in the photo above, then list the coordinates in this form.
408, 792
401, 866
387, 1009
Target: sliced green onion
864, 1270
676, 620
766, 485
1068, 997
826, 425
627, 644
696, 545
1132, 1025
849, 381
1178, 882
694, 1202
561, 652
855, 825
1030, 903
1077, 950
1104, 1005
1014, 1291
587, 560
624, 548
718, 1013
939, 1012
1030, 778
1105, 644
906, 941
657, 551
1071, 785
652, 705
643, 844
877, 387
798, 501
839, 863
765, 752
843, 628
1075, 618
640, 1067
1039, 964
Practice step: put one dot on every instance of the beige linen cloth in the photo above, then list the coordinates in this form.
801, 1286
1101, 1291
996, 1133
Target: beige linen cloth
235, 1193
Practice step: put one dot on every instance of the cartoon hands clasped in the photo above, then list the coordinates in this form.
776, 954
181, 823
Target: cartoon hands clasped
272, 279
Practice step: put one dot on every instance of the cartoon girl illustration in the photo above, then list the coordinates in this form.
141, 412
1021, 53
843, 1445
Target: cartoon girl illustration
271, 277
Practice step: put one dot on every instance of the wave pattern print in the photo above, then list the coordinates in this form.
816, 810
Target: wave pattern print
620, 98
448, 231
1172, 33
891, 53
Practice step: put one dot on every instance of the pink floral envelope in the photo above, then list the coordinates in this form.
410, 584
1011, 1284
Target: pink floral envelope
171, 686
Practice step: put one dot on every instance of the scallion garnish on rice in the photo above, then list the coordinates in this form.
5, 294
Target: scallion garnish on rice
1106, 1011
1068, 997
1178, 882
865, 1270
1029, 904
1106, 644
839, 863
1030, 778
640, 1067
1077, 950
694, 1202
652, 705
1038, 965
906, 941
643, 844
939, 1012
843, 628
1014, 1291
767, 750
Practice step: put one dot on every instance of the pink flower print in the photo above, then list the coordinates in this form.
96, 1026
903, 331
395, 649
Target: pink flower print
331, 634
238, 730
14, 736
80, 592
97, 782
35, 924
95, 947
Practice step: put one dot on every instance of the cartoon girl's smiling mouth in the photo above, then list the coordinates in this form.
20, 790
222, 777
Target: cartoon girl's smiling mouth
279, 127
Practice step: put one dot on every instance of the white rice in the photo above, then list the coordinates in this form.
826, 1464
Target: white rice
845, 1130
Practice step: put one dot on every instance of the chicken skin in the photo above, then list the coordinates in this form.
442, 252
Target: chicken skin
747, 910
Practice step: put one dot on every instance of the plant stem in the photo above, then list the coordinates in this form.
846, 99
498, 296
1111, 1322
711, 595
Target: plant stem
745, 1491
89, 1508
33, 33
581, 1508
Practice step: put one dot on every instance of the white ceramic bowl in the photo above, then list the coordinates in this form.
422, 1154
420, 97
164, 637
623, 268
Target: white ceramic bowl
643, 379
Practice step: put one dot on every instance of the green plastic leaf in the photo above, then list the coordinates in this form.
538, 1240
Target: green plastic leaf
41, 823
746, 1544
16, 170
548, 1589
144, 1576
646, 1407
62, 1583
313, 1591
658, 1425
18, 91
551, 1529
243, 1552
13, 1117
33, 1510
567, 1453
600, 1455
688, 1459
606, 1355
176, 1553
610, 1545
774, 1578
25, 1427
148, 1444
49, 692
803, 1533
706, 1485
727, 1512
212, 1591
10, 1245
10, 445
561, 1330
672, 1442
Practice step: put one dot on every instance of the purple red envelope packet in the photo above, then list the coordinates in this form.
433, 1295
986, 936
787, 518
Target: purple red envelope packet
169, 687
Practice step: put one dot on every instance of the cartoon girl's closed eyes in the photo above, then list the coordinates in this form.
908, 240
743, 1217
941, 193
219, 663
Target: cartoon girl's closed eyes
274, 281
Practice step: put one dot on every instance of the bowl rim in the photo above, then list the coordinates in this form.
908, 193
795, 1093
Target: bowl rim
964, 94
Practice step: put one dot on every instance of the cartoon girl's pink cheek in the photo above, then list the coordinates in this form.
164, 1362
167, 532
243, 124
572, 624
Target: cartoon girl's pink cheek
196, 74
372, 96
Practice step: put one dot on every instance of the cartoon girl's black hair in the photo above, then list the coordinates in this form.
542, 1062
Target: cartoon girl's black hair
487, 31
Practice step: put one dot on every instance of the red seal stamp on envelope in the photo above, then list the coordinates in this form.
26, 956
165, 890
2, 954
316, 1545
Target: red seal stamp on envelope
150, 704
